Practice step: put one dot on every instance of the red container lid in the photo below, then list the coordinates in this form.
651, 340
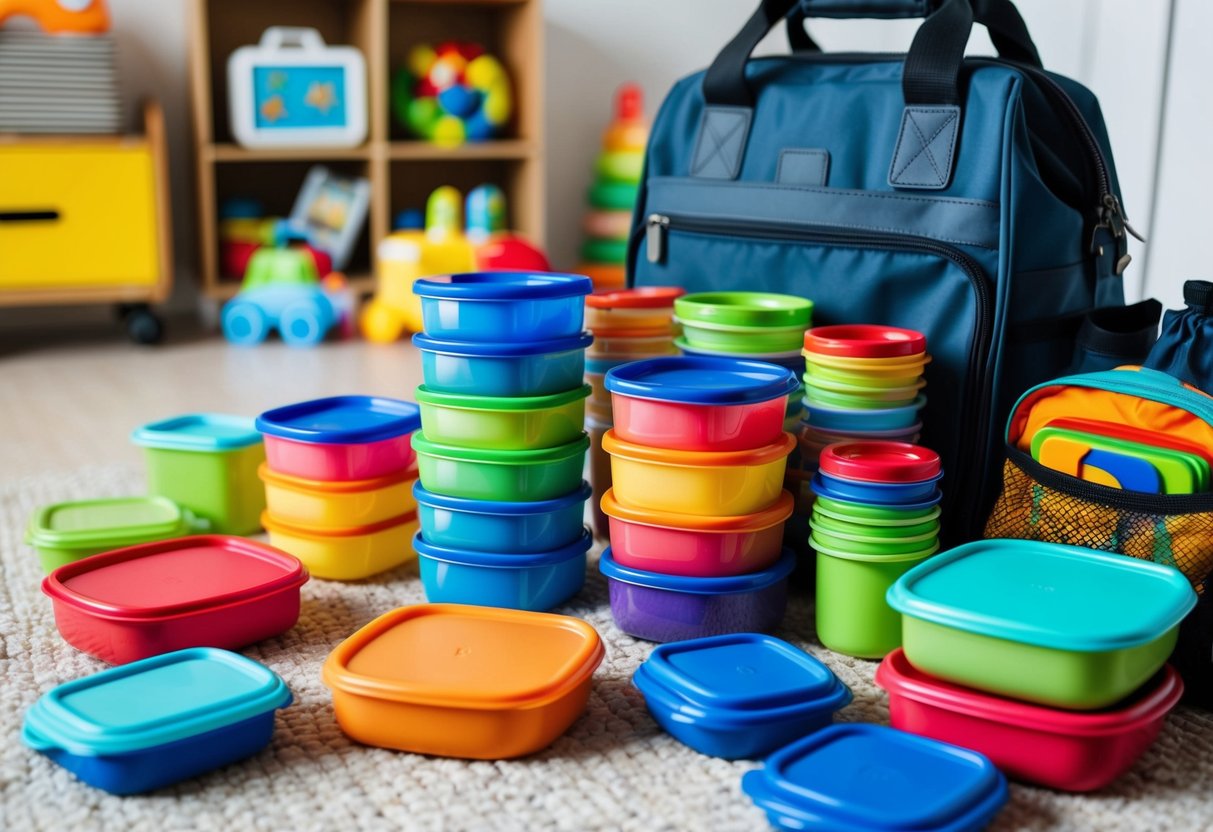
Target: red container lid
894, 462
645, 297
864, 341
173, 577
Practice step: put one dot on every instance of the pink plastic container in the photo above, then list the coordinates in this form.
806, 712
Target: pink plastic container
1074, 751
701, 547
340, 462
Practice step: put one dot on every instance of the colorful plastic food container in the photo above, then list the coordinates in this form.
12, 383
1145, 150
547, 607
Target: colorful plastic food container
647, 307
747, 309
496, 526
348, 554
207, 463
503, 423
709, 483
463, 681
658, 607
700, 404
335, 504
207, 591
151, 723
1068, 750
869, 778
1043, 622
740, 339
538, 581
515, 476
502, 306
864, 341
600, 476
340, 438
695, 545
888, 462
863, 420
639, 345
878, 493
66, 532
703, 693
508, 368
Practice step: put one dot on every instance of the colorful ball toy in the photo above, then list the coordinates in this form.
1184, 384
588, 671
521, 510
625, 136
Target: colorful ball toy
452, 93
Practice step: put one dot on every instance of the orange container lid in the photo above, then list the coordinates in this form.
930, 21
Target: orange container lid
777, 513
639, 333
269, 475
644, 297
456, 655
273, 524
615, 446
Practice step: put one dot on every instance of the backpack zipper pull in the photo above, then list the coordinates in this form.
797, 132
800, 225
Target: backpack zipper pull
1112, 217
654, 237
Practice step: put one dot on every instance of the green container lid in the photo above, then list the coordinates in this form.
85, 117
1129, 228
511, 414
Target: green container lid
752, 309
865, 532
422, 445
199, 432
107, 524
510, 403
846, 401
850, 552
873, 514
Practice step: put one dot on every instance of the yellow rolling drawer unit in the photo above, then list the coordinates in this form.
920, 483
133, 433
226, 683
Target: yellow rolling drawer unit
84, 219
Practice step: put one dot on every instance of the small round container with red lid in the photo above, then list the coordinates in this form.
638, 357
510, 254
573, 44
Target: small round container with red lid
880, 462
643, 308
864, 341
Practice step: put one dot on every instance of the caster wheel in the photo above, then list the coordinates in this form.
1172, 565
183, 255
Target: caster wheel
143, 326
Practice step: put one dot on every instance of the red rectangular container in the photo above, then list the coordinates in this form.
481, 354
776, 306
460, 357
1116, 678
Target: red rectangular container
207, 591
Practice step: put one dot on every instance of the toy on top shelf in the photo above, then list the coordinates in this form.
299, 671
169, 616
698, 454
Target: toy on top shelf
452, 93
617, 173
60, 16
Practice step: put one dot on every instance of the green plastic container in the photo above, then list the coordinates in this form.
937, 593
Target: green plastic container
746, 340
500, 423
857, 380
864, 533
510, 476
874, 515
846, 401
852, 615
66, 532
1043, 622
207, 463
747, 309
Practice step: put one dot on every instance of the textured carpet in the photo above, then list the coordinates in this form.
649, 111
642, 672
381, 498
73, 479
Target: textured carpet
613, 770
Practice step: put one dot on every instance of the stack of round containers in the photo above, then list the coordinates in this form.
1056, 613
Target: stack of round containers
628, 325
697, 507
338, 481
875, 518
502, 448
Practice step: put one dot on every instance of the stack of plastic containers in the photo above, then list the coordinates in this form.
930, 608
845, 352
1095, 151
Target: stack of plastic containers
502, 447
876, 517
697, 507
628, 325
338, 478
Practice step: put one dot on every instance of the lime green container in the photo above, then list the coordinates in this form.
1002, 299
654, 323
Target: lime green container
1059, 625
208, 464
503, 423
740, 339
863, 532
852, 615
746, 309
510, 476
66, 532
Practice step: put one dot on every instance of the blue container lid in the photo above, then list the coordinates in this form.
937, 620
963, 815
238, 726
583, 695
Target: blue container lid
702, 380
509, 349
341, 420
497, 507
1046, 594
500, 560
750, 582
152, 702
504, 286
822, 489
199, 432
869, 777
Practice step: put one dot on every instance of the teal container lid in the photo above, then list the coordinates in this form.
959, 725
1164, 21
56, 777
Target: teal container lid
108, 523
152, 702
1046, 594
198, 432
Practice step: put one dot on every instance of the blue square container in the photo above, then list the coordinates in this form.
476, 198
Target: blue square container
862, 777
522, 367
503, 306
145, 725
496, 526
738, 696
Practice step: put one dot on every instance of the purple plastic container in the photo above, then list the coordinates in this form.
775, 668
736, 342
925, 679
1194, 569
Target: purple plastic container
659, 607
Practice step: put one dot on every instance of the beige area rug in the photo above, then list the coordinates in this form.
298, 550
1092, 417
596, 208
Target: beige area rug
613, 770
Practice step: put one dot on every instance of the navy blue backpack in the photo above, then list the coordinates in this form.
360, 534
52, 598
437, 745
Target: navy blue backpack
970, 198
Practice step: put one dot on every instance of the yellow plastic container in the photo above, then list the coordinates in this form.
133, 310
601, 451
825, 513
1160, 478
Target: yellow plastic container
335, 505
702, 483
457, 680
350, 554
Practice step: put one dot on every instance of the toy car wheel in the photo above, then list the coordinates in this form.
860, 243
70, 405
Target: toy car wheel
244, 323
380, 324
302, 325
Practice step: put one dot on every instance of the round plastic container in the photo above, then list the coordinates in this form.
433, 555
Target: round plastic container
502, 306
891, 419
657, 607
697, 482
860, 401
864, 532
495, 526
695, 546
864, 341
640, 346
501, 423
822, 490
600, 476
880, 493
519, 368
853, 617
748, 309
740, 339
348, 554
836, 379
879, 367
646, 307
700, 404
875, 515
536, 582
823, 436
340, 438
877, 462
513, 476
843, 544
334, 505
792, 359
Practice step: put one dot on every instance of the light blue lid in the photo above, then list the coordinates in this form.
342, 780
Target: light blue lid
342, 420
1046, 594
504, 349
750, 582
198, 432
152, 702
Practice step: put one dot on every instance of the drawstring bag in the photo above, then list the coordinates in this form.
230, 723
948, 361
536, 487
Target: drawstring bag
1111, 336
1185, 347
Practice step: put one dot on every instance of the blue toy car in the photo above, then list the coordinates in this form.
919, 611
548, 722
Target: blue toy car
281, 291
